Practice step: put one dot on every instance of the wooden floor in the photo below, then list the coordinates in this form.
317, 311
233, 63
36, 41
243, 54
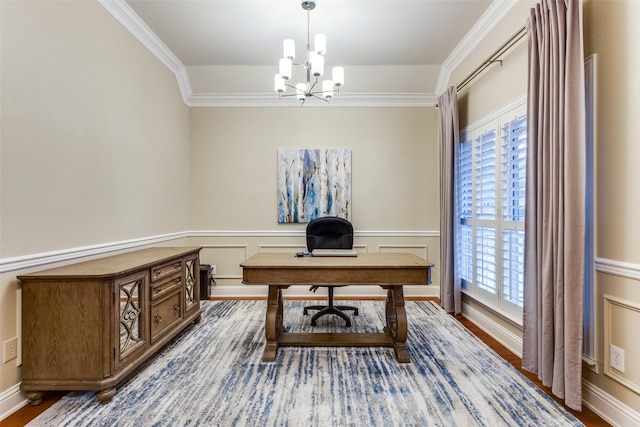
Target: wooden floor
588, 417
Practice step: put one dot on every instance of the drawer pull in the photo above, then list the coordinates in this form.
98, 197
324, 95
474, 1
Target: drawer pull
158, 318
158, 290
178, 280
177, 265
176, 307
158, 272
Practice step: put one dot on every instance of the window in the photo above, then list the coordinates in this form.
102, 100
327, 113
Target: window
491, 202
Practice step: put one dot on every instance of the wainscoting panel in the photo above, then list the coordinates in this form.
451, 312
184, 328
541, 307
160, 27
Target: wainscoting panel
281, 248
226, 250
621, 320
229, 256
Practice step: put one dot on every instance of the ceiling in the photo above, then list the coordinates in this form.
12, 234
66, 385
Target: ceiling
360, 34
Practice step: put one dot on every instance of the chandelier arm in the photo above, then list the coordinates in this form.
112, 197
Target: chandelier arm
313, 85
318, 97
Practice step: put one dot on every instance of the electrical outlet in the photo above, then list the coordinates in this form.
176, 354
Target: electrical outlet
616, 359
213, 269
10, 349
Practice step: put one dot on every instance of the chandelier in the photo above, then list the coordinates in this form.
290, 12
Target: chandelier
314, 67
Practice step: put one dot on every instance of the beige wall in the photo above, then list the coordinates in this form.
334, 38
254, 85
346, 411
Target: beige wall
95, 150
500, 84
395, 180
94, 143
394, 164
611, 32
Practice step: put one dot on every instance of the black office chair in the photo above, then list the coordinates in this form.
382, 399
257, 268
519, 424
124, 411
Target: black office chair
329, 232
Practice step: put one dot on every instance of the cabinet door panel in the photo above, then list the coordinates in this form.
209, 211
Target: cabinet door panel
192, 282
132, 336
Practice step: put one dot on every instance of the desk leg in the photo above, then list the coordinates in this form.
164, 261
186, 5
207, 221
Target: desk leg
273, 323
397, 322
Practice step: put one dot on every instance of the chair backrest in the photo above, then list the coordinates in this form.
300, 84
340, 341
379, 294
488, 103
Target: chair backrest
329, 232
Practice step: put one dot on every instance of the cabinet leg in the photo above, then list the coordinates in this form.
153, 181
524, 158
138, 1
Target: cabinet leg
35, 397
105, 396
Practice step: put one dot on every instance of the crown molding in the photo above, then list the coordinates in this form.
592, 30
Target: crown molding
343, 100
136, 26
139, 29
494, 13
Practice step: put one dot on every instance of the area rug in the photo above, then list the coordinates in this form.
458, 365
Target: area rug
213, 375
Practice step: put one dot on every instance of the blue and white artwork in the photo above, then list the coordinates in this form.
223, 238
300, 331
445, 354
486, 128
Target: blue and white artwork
313, 183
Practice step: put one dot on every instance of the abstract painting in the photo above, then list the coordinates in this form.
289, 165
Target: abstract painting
313, 183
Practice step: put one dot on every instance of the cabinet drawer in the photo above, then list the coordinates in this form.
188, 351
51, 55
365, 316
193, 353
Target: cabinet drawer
164, 314
161, 271
158, 290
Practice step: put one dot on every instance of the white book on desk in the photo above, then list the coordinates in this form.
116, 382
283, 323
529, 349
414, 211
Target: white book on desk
334, 252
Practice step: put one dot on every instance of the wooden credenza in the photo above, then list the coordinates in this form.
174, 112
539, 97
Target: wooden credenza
87, 326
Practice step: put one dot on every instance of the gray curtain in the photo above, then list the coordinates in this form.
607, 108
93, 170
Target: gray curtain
555, 206
450, 296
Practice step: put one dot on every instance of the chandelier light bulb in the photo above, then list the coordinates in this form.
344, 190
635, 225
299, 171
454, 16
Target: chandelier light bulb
320, 44
278, 83
285, 68
327, 89
289, 47
317, 64
337, 74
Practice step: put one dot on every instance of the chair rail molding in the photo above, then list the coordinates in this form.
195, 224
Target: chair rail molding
618, 268
301, 233
44, 258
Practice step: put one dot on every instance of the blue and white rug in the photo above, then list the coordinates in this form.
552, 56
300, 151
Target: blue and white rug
212, 375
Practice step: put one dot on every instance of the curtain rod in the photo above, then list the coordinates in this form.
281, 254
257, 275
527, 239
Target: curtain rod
493, 58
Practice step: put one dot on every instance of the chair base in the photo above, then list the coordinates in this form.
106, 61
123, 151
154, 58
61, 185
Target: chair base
338, 310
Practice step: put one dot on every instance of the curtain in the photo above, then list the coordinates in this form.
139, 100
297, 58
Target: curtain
450, 294
555, 218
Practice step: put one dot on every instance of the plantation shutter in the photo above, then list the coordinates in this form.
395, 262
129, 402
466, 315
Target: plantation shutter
514, 149
490, 206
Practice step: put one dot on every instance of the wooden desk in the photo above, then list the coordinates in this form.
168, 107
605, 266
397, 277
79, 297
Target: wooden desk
390, 271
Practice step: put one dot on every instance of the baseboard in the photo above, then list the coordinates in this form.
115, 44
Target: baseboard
11, 400
248, 292
608, 407
498, 332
